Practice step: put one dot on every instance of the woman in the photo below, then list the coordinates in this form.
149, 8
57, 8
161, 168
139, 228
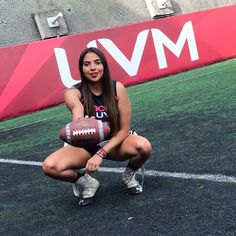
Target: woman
100, 97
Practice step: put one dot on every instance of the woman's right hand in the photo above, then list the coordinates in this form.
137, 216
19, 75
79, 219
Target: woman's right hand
93, 164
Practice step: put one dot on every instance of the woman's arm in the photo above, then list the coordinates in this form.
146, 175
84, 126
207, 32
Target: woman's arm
72, 100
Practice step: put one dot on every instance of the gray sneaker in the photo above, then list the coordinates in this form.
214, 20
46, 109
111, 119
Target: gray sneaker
134, 180
85, 188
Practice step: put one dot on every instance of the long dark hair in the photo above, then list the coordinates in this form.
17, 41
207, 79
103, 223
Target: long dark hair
108, 94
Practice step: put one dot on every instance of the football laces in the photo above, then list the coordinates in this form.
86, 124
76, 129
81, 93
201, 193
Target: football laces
83, 132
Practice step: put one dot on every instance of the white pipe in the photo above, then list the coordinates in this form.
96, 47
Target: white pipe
56, 18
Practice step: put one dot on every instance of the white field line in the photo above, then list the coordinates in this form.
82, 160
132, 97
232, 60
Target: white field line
153, 173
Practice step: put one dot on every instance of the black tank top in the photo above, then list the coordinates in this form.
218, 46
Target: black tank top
99, 106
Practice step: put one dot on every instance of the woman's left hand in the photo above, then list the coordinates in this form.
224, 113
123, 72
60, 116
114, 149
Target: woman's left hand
93, 164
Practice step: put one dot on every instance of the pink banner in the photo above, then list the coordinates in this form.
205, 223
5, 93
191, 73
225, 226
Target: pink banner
35, 75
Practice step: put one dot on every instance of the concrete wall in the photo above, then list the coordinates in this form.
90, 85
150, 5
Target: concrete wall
18, 26
184, 6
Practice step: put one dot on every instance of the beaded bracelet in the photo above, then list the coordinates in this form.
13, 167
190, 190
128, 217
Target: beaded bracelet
102, 153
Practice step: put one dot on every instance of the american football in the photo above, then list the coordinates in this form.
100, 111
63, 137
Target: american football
85, 132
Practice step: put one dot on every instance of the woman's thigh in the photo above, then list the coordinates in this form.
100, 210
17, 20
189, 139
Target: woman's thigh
68, 157
132, 146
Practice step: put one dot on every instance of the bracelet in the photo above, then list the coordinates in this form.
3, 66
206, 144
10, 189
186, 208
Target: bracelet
102, 153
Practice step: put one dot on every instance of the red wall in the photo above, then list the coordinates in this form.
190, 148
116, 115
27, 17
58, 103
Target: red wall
34, 75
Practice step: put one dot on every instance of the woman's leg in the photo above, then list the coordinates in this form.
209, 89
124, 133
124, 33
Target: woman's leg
63, 163
137, 150
134, 148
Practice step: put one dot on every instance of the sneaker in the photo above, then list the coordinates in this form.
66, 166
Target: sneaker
85, 188
134, 180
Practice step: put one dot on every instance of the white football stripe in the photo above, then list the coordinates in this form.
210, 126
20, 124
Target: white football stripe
68, 137
100, 130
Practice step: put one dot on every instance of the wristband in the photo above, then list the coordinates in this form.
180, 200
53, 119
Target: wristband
102, 153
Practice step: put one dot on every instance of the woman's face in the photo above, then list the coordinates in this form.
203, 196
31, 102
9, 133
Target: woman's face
92, 67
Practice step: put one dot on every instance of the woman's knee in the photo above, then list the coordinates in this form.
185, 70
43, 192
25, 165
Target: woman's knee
49, 167
144, 147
